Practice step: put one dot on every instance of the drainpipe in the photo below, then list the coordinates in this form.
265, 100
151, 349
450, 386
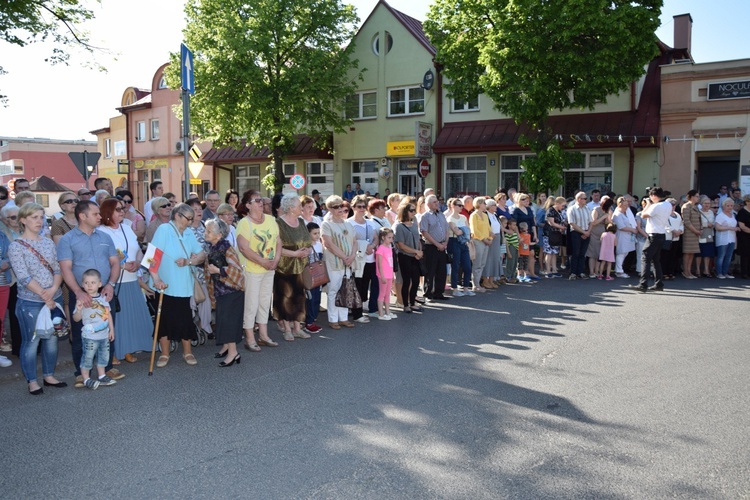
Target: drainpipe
631, 167
439, 128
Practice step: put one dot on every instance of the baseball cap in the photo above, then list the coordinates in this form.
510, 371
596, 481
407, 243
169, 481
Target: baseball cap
315, 191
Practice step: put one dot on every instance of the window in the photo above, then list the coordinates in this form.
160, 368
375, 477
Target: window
594, 173
511, 170
108, 148
362, 105
376, 43
465, 175
247, 177
154, 130
320, 177
162, 82
458, 106
365, 173
140, 131
406, 101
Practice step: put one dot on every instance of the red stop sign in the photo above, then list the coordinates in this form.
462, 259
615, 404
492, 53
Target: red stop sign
424, 168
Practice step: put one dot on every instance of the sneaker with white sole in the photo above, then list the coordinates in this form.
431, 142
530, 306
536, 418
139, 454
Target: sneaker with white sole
105, 381
362, 319
622, 275
392, 316
469, 293
5, 362
373, 314
90, 383
384, 317
458, 293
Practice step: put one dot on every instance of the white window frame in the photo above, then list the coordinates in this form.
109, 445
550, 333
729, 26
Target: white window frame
587, 170
407, 101
140, 131
108, 148
464, 170
162, 83
154, 130
361, 106
376, 43
365, 173
466, 106
513, 171
320, 177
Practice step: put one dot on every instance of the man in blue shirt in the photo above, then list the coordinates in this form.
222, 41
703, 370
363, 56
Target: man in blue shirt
80, 249
348, 193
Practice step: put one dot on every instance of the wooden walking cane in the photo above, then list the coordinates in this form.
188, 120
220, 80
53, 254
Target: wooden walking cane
156, 332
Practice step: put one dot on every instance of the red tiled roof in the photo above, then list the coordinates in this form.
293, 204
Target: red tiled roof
304, 147
603, 129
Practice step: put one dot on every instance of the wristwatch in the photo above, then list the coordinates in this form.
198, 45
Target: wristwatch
111, 284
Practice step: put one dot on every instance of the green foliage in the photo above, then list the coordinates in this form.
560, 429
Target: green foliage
266, 70
28, 21
544, 171
535, 56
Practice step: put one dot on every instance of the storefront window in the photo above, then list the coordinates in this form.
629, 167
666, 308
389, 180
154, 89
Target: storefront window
465, 175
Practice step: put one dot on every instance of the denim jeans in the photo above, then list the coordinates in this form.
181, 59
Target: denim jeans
461, 262
91, 348
724, 258
27, 312
312, 305
76, 345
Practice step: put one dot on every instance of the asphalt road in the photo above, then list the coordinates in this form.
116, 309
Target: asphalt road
552, 390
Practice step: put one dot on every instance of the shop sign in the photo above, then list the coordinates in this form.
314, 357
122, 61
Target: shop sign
424, 140
729, 90
400, 148
151, 164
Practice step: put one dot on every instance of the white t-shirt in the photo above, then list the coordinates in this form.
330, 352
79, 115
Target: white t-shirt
659, 217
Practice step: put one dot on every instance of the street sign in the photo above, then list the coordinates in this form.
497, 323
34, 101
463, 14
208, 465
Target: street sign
195, 182
424, 168
297, 181
186, 67
84, 160
195, 152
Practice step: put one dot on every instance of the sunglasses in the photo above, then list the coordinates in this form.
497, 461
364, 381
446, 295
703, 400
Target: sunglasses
336, 207
458, 205
84, 194
12, 217
119, 209
166, 206
360, 206
412, 210
129, 202
71, 201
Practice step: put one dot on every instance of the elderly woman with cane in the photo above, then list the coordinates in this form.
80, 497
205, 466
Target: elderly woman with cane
180, 251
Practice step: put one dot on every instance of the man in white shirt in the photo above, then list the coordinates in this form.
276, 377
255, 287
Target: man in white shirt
596, 197
579, 218
157, 189
656, 214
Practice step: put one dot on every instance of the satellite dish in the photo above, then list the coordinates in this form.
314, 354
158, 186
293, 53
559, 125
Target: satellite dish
428, 80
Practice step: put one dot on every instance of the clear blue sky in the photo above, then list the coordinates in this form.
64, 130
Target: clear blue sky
68, 102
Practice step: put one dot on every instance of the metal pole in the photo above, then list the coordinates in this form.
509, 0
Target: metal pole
86, 167
186, 140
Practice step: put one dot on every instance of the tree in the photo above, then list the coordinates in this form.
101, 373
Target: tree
29, 21
535, 56
266, 70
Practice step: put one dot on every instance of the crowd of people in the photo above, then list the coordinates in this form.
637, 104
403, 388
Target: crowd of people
251, 253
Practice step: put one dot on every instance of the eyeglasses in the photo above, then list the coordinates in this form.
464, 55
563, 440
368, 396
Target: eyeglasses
189, 219
12, 217
256, 200
336, 207
360, 206
166, 206
119, 209
71, 201
230, 214
129, 202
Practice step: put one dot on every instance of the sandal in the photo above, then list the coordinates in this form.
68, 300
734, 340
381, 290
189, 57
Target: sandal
269, 343
130, 358
301, 335
162, 362
334, 326
190, 359
288, 337
407, 309
252, 347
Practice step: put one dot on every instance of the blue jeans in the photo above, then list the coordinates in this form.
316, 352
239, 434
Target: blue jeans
312, 305
461, 262
76, 345
27, 312
724, 258
91, 348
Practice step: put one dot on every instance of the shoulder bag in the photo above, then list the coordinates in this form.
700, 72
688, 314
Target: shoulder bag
707, 233
315, 273
198, 293
348, 296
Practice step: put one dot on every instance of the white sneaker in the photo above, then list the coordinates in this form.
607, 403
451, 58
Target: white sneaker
458, 293
362, 319
469, 293
729, 276
384, 317
622, 275
721, 276
373, 314
5, 362
392, 316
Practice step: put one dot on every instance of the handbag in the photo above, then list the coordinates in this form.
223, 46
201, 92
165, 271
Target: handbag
554, 238
348, 296
472, 250
198, 295
315, 274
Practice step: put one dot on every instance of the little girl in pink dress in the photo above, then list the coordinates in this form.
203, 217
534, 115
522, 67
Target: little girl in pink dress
607, 251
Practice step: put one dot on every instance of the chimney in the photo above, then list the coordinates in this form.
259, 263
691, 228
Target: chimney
683, 31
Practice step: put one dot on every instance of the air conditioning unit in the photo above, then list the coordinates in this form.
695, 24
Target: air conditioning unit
179, 147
